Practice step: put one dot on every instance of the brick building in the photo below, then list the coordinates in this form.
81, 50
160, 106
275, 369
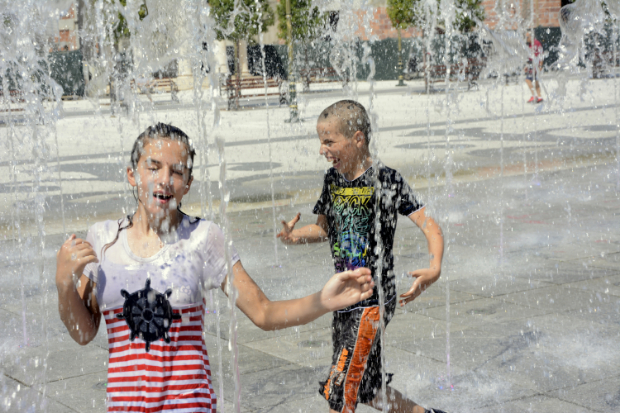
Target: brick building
381, 27
66, 39
545, 11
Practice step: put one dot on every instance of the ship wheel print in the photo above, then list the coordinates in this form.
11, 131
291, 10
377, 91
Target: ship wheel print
148, 314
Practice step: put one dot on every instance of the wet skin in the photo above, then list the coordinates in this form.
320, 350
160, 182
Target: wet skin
349, 156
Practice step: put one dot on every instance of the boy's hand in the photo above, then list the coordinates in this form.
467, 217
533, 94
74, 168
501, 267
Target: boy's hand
424, 278
71, 259
347, 288
286, 235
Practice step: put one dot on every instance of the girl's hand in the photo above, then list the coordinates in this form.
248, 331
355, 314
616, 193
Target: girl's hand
286, 235
347, 288
71, 260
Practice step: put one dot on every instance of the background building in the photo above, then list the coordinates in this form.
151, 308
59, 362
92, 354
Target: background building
355, 27
65, 38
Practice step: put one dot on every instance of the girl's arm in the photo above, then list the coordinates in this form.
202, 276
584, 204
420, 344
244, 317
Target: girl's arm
342, 290
304, 235
77, 305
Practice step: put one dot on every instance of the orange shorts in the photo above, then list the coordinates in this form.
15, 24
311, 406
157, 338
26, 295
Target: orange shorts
355, 375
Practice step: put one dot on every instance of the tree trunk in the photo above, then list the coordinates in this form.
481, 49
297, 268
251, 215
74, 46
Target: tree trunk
238, 73
425, 62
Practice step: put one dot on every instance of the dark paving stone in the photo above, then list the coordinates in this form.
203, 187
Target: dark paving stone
285, 384
556, 299
565, 272
477, 313
536, 404
598, 396
54, 361
85, 393
606, 285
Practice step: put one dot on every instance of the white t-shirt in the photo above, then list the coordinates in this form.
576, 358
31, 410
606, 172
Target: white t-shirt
192, 259
167, 370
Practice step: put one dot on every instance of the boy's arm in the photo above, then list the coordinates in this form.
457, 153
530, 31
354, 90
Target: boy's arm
426, 276
304, 235
342, 290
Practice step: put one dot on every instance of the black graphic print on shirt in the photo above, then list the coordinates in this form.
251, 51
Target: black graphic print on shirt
148, 314
350, 210
352, 217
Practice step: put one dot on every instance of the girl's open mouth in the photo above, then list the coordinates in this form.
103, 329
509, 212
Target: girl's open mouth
161, 198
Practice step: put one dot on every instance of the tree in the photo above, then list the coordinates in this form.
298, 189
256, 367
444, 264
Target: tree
248, 20
307, 21
307, 24
243, 22
120, 29
466, 11
407, 13
402, 14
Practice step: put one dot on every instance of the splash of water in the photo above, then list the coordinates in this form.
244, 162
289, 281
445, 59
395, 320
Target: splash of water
367, 57
273, 196
578, 20
230, 287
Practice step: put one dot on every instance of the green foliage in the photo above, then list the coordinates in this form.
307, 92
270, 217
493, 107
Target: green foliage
466, 8
611, 11
404, 13
307, 22
254, 15
408, 13
120, 29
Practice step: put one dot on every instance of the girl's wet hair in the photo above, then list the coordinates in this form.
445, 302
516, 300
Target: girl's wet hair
161, 131
158, 131
351, 117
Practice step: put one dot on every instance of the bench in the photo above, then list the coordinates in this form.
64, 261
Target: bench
15, 95
320, 75
603, 64
157, 85
458, 72
235, 87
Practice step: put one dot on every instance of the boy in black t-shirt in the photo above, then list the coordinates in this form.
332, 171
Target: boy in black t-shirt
347, 215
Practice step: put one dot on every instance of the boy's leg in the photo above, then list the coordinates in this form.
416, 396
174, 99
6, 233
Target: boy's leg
354, 335
371, 393
397, 402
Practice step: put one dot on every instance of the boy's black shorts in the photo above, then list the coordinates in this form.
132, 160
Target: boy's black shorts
355, 376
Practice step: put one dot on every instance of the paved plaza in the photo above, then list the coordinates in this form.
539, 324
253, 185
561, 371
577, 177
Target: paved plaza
526, 314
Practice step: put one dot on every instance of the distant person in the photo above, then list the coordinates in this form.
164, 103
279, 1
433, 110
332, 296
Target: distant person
346, 217
533, 68
146, 274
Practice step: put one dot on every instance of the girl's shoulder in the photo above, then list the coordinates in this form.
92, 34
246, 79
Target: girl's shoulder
106, 231
197, 228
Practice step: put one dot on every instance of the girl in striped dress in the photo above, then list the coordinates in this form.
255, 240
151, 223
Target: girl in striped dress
146, 274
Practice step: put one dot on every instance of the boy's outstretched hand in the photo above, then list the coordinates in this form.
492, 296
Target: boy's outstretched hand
347, 288
286, 235
424, 278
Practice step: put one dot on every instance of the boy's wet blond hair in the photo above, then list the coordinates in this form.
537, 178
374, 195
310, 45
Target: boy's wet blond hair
350, 116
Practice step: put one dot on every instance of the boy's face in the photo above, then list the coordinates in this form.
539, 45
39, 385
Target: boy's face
342, 152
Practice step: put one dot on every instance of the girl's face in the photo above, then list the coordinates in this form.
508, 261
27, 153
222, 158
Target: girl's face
161, 176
